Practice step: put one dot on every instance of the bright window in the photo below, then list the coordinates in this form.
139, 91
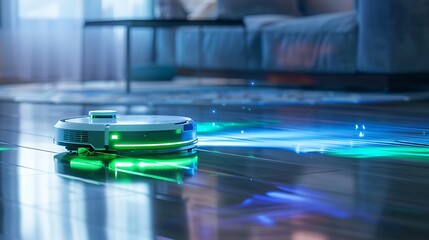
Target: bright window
73, 9
49, 9
126, 8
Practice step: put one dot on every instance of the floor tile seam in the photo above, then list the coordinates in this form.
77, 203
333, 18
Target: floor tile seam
53, 213
262, 181
39, 172
421, 180
243, 156
83, 199
25, 133
27, 147
358, 197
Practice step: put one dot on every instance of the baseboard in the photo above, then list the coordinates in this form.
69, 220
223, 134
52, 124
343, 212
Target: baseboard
333, 81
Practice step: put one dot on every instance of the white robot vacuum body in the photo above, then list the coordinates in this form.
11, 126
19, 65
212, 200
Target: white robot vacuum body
105, 130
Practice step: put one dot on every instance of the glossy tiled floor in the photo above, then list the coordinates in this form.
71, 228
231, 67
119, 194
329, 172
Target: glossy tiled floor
297, 172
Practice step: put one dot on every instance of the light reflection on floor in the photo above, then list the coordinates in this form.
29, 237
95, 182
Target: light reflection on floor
350, 140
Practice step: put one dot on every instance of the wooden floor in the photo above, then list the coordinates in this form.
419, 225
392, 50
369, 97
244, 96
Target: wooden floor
265, 172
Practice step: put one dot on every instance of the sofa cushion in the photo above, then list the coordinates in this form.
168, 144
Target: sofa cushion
240, 8
312, 7
168, 9
211, 48
258, 22
165, 46
200, 9
255, 24
322, 43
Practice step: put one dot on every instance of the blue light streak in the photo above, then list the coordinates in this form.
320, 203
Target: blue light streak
317, 139
265, 220
298, 141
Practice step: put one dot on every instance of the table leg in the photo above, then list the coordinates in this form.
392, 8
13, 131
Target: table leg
128, 58
246, 49
199, 50
154, 56
82, 57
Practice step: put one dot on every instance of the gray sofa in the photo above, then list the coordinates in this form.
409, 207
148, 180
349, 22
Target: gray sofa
317, 36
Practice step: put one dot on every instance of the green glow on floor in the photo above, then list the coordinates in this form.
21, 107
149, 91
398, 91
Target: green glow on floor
152, 164
93, 155
6, 149
152, 145
177, 179
143, 166
123, 164
85, 164
395, 152
209, 127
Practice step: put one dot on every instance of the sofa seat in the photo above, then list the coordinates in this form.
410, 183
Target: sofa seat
211, 48
229, 48
319, 43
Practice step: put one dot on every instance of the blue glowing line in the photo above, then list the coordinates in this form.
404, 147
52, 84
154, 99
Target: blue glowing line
286, 196
265, 220
300, 142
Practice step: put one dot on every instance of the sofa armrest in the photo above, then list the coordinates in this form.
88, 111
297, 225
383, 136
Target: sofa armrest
393, 36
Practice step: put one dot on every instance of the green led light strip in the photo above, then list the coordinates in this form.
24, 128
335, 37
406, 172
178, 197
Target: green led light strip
154, 145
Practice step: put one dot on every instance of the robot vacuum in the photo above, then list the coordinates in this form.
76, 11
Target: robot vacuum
106, 131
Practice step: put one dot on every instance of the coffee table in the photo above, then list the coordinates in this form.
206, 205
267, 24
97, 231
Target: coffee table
152, 23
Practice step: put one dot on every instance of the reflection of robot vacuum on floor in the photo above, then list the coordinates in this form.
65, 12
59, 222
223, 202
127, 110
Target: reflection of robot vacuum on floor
170, 167
106, 131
